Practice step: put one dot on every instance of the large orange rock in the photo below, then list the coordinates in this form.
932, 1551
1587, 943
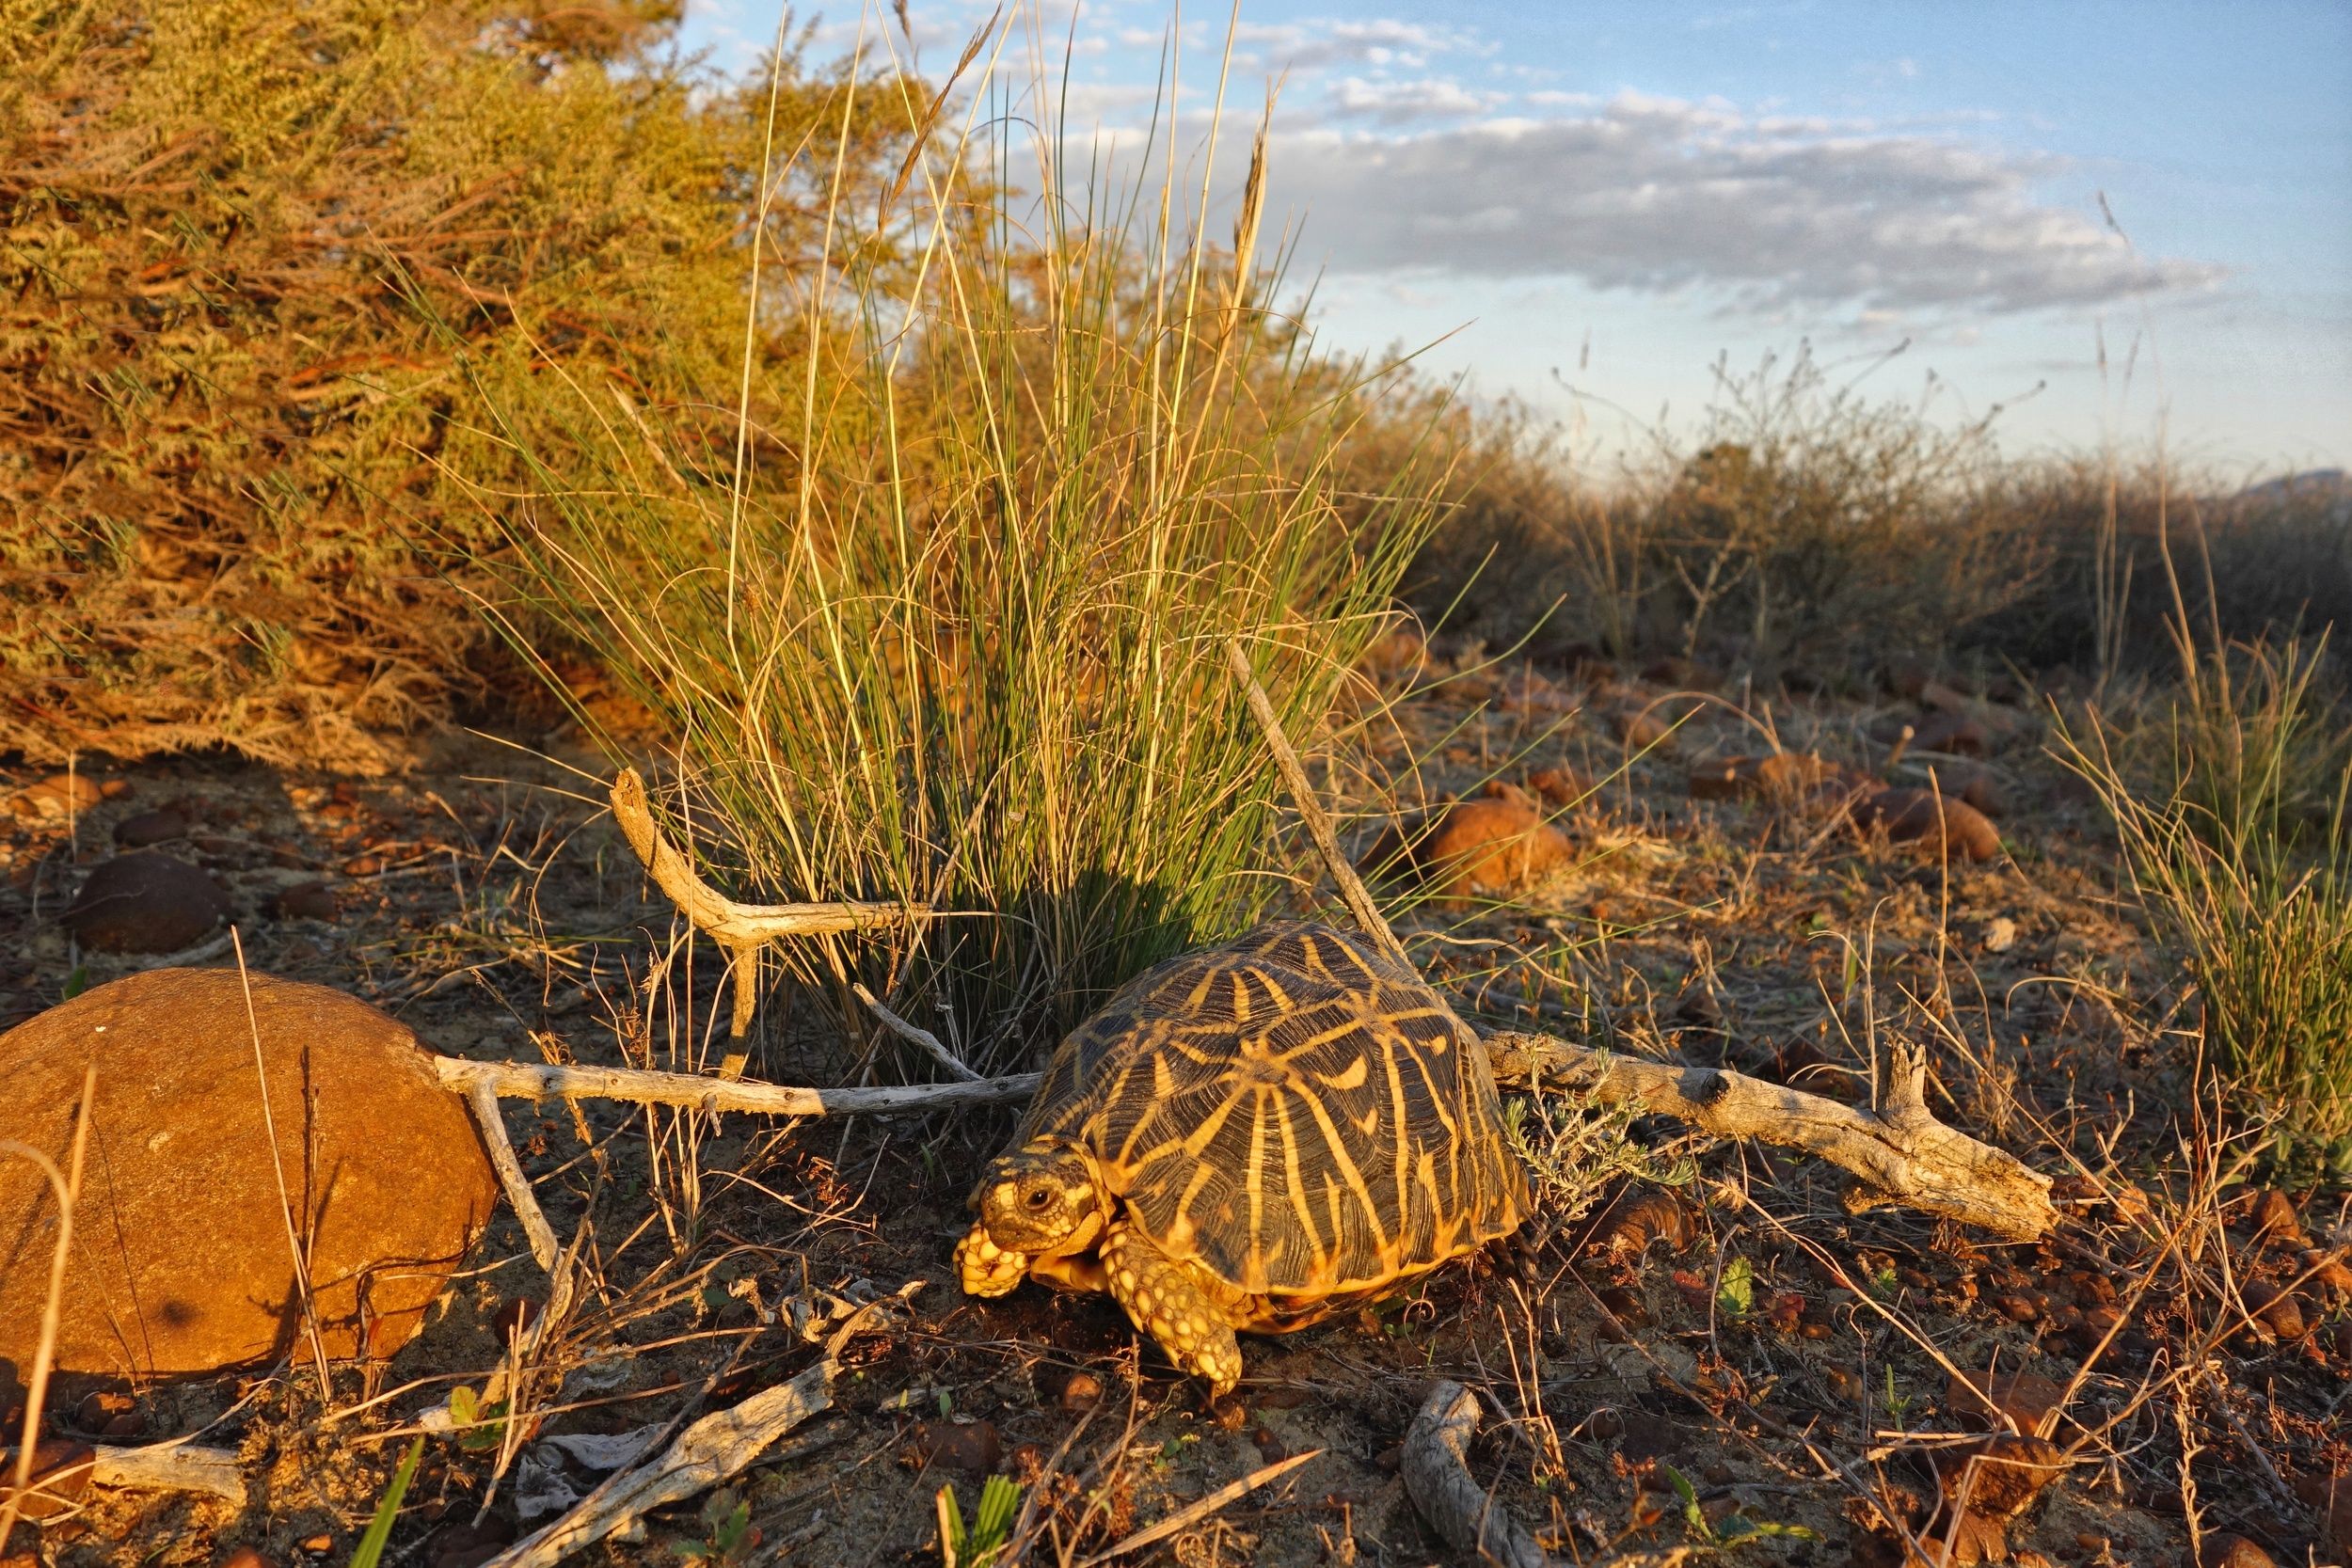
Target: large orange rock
181, 1259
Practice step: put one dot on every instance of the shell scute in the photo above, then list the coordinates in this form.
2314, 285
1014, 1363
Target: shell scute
1294, 1110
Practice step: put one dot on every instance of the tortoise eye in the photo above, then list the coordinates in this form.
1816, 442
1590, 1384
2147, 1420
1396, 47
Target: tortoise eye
1036, 1199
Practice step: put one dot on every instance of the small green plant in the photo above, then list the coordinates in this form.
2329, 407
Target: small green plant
1736, 1527
371, 1548
480, 1426
727, 1535
1574, 1150
1736, 1292
1897, 1404
979, 1544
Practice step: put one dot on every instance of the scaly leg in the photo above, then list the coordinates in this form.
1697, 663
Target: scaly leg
986, 1269
1163, 1300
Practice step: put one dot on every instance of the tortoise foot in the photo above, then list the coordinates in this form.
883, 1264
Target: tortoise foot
1163, 1300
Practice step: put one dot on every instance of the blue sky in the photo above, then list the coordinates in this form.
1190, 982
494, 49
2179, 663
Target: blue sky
1586, 204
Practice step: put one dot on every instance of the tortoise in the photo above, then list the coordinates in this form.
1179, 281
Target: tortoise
1254, 1136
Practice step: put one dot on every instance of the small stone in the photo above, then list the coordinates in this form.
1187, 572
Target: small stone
2276, 1307
2232, 1551
2000, 934
959, 1445
57, 795
98, 1408
1084, 1391
1491, 846
146, 903
61, 1472
1922, 816
246, 1557
304, 901
1558, 786
148, 828
317, 1545
2028, 1399
2275, 1220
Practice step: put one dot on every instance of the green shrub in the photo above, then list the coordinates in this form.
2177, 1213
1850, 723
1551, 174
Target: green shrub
224, 230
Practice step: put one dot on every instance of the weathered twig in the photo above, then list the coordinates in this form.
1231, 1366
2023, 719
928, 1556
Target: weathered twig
1901, 1152
742, 929
1192, 1514
542, 1080
714, 1450
484, 1100
1435, 1464
1352, 889
172, 1468
917, 1035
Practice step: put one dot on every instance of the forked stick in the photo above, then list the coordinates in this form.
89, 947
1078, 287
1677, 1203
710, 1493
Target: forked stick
742, 929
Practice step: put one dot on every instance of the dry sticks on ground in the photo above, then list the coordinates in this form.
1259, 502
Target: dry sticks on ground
1899, 1152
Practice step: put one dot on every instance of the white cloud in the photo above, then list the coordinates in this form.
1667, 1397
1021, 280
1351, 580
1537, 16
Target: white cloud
1661, 195
1397, 103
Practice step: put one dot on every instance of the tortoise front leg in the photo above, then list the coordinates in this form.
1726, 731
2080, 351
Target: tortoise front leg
1163, 1300
985, 1269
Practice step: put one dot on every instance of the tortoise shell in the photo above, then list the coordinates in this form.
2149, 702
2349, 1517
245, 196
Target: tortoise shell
1293, 1111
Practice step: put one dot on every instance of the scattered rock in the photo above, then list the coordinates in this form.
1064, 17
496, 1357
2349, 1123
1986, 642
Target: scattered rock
57, 795
1401, 655
1488, 846
146, 903
1637, 1220
1558, 786
2232, 1551
304, 901
1922, 816
143, 829
2275, 1220
2276, 1309
2027, 1400
1526, 690
1642, 729
959, 1445
1084, 1391
391, 1189
1955, 734
1783, 776
2000, 934
61, 1472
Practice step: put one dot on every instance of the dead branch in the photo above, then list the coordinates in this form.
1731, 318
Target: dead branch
1901, 1152
714, 1450
742, 929
1359, 897
1435, 1465
483, 1099
915, 1035
542, 1080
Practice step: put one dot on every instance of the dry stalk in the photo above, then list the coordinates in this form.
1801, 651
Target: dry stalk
67, 1186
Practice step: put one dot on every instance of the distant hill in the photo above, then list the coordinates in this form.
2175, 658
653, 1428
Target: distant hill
2322, 485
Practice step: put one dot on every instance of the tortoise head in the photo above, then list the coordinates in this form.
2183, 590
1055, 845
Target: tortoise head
1043, 1198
